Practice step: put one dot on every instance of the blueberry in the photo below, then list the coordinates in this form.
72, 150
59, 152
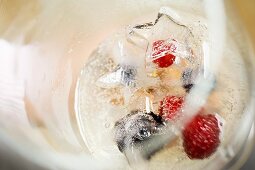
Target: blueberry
136, 127
188, 77
128, 74
187, 87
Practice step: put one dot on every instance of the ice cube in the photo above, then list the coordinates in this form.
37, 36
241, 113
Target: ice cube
121, 75
139, 34
171, 44
125, 52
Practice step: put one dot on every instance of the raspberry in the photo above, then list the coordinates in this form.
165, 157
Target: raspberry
156, 45
201, 136
163, 51
169, 106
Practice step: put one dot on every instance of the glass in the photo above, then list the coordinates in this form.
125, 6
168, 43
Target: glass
44, 46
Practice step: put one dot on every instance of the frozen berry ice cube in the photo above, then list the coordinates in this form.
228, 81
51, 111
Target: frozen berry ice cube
162, 53
170, 106
136, 127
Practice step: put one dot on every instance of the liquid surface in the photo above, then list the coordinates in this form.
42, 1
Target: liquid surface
39, 67
100, 103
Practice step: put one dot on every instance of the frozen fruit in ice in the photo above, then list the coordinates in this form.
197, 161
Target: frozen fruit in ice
188, 87
188, 78
201, 136
135, 128
170, 106
162, 51
128, 74
165, 61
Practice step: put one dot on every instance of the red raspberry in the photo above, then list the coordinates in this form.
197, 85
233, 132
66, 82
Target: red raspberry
169, 107
201, 136
163, 50
157, 44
